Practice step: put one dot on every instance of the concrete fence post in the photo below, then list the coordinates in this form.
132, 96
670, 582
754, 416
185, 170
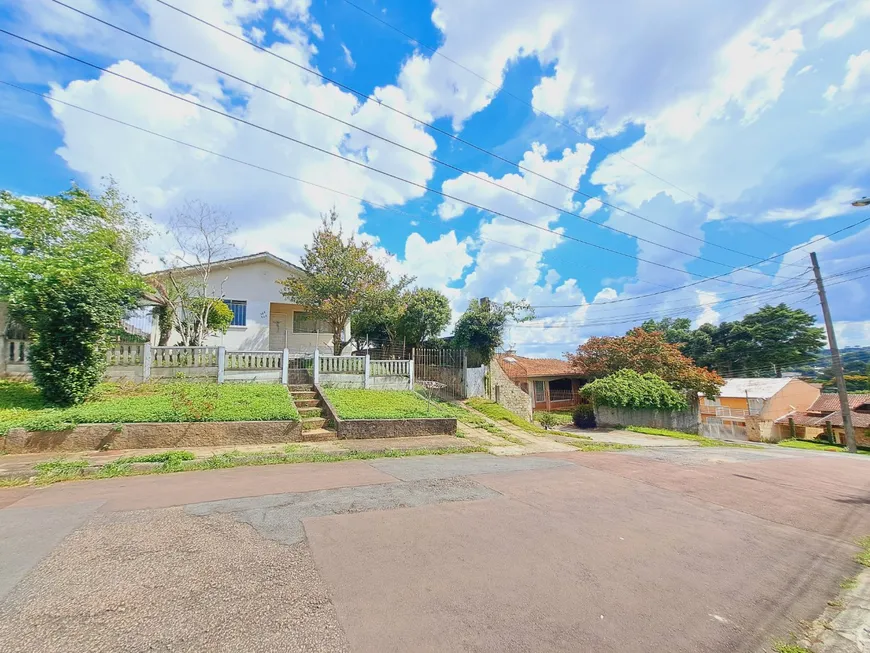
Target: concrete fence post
146, 361
411, 374
367, 371
285, 365
222, 363
316, 366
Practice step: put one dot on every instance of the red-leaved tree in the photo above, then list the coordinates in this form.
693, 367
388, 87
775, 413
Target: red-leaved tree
644, 351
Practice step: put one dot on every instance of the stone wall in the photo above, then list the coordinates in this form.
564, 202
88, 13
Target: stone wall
153, 435
687, 421
506, 393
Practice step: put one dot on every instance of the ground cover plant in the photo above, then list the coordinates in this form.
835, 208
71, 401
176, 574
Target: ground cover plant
819, 446
353, 403
119, 403
501, 414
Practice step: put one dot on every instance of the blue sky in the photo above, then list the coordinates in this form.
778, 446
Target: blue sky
744, 128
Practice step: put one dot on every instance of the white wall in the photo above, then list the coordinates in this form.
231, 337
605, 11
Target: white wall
257, 284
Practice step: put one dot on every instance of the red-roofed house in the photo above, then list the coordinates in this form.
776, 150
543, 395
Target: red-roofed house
551, 382
825, 411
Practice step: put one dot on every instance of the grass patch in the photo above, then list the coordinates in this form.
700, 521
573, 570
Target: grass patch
352, 403
576, 436
782, 647
819, 446
700, 439
849, 583
119, 403
602, 446
66, 470
502, 414
55, 471
863, 556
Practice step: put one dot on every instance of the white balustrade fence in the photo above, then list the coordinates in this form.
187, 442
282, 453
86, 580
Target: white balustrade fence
362, 372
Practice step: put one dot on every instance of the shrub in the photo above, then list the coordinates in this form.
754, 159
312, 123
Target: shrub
628, 389
584, 416
547, 420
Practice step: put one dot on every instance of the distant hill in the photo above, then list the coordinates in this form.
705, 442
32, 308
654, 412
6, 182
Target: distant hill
855, 361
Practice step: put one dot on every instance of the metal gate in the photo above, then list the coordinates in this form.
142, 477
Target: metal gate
714, 427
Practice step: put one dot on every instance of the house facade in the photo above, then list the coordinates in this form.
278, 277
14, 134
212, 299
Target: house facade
263, 319
552, 383
746, 409
825, 418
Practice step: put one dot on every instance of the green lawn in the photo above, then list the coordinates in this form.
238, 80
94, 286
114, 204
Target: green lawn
502, 414
819, 446
114, 403
351, 403
700, 439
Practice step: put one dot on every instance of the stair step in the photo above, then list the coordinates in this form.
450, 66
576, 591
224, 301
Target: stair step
310, 411
306, 403
318, 435
299, 394
300, 388
312, 423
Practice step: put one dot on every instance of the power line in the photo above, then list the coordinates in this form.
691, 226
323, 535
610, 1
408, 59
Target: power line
379, 171
259, 167
499, 88
485, 179
425, 123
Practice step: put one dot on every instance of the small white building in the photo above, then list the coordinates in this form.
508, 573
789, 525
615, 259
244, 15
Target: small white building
263, 319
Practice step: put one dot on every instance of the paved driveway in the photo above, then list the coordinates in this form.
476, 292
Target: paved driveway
677, 549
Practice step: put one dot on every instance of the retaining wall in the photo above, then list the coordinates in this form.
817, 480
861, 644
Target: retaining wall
356, 429
153, 435
687, 420
506, 393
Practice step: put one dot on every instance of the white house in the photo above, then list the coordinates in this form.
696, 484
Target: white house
263, 319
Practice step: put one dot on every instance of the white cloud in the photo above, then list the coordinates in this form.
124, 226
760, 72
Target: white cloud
591, 206
857, 79
348, 57
837, 202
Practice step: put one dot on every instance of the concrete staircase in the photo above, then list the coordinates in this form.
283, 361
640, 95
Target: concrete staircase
310, 407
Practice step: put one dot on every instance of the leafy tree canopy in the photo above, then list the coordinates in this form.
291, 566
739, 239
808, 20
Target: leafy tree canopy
644, 352
762, 343
481, 326
628, 389
340, 277
426, 314
66, 271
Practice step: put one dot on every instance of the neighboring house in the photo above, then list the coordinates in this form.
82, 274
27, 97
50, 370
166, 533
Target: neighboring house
551, 382
824, 414
747, 408
263, 319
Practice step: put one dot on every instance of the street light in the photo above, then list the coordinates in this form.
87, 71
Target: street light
864, 201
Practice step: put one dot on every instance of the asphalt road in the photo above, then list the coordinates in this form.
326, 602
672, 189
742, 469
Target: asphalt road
674, 549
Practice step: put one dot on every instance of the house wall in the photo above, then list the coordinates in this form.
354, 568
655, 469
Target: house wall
505, 392
796, 395
258, 284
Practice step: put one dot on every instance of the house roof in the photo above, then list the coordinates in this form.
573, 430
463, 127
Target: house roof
828, 403
520, 366
753, 388
859, 420
259, 257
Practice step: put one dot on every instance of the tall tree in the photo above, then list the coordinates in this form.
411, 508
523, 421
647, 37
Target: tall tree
66, 269
783, 335
481, 327
187, 293
426, 313
644, 352
340, 277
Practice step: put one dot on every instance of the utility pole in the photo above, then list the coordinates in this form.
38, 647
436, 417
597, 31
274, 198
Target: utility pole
836, 364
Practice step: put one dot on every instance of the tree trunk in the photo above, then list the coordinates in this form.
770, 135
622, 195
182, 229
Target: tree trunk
336, 343
778, 369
